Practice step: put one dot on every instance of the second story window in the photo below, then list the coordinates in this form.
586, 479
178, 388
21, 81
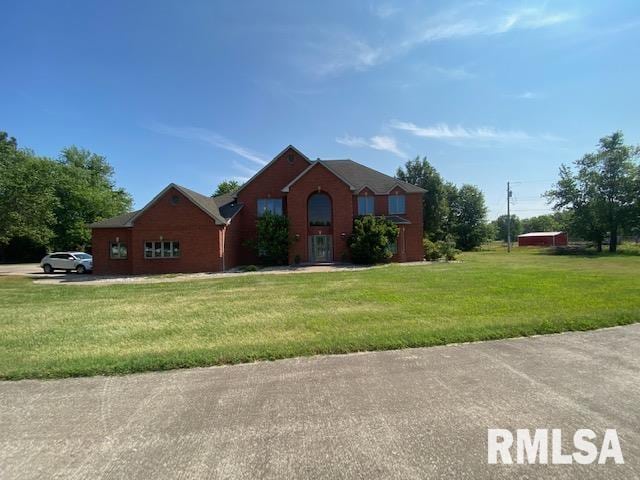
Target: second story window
365, 205
273, 205
319, 210
396, 204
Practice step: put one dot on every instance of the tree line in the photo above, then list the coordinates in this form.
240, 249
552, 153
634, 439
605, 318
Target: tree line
450, 213
47, 203
597, 200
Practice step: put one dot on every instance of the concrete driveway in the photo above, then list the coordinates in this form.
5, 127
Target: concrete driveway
416, 413
27, 269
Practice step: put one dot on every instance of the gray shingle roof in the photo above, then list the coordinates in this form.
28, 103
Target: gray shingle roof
358, 176
220, 208
115, 222
361, 176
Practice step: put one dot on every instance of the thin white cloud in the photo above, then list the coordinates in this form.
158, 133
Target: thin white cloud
243, 168
377, 142
443, 131
337, 52
523, 19
210, 137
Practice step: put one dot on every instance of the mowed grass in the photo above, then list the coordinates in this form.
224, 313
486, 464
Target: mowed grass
58, 331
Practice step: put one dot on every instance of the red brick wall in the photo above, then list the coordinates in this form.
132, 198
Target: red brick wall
184, 222
102, 263
413, 233
320, 179
268, 185
233, 242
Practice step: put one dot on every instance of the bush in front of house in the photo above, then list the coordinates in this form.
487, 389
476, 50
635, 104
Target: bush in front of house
371, 240
442, 249
272, 242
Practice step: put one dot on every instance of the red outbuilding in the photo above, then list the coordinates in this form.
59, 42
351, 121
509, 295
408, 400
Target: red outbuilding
543, 239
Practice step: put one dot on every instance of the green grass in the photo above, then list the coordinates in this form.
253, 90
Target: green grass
61, 330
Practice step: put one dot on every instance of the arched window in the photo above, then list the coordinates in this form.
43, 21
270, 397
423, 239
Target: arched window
319, 210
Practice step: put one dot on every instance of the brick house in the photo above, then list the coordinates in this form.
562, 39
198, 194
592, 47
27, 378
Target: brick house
183, 231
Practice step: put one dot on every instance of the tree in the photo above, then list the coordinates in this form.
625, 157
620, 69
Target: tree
502, 229
272, 242
371, 239
86, 193
468, 217
48, 203
603, 193
226, 186
27, 196
543, 223
434, 202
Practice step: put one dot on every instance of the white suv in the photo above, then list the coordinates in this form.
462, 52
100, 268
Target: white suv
78, 261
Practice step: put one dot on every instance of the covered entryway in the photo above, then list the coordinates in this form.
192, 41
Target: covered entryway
320, 216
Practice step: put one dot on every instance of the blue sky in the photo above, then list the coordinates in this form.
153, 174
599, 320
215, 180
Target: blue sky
196, 92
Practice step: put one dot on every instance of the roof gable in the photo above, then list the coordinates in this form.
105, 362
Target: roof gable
273, 160
359, 177
207, 204
313, 164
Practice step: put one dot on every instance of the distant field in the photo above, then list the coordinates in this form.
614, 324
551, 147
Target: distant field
58, 331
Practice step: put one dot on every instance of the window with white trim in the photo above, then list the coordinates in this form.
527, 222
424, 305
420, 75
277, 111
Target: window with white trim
273, 205
396, 204
365, 204
162, 249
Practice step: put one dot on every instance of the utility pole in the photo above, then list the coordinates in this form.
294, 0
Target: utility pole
508, 218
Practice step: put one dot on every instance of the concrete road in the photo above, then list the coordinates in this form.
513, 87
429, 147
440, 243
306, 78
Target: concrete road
417, 413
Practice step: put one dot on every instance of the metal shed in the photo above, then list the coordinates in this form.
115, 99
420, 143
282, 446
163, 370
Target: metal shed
543, 239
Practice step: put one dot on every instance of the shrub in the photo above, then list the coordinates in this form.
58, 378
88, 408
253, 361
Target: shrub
431, 251
249, 268
448, 249
371, 240
272, 242
441, 249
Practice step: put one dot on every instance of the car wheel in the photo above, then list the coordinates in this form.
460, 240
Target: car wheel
47, 268
81, 269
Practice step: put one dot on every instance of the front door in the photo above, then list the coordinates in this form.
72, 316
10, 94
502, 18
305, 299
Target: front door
321, 248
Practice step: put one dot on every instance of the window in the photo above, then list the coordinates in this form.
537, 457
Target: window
396, 204
273, 205
319, 210
164, 249
118, 250
393, 246
365, 205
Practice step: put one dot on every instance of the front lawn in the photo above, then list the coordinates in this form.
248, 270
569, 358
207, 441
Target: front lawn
62, 330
